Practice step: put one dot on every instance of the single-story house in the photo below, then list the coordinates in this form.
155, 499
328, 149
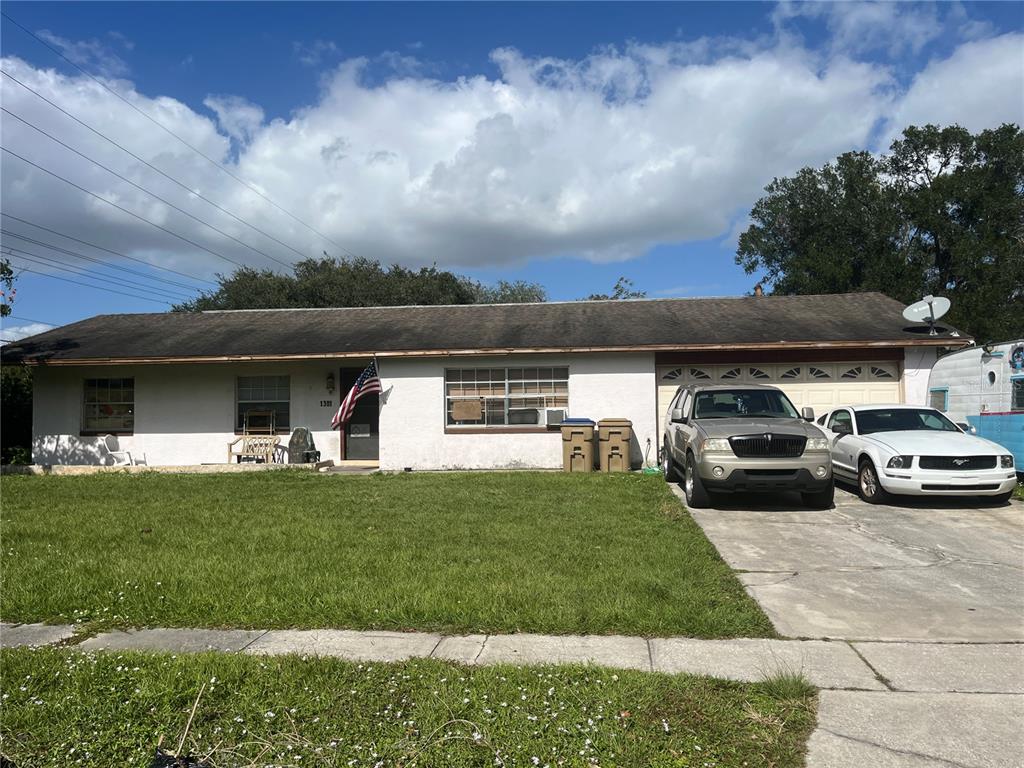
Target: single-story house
477, 386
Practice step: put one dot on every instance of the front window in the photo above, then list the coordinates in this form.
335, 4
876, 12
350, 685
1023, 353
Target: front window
1017, 394
725, 403
903, 420
263, 403
109, 406
498, 397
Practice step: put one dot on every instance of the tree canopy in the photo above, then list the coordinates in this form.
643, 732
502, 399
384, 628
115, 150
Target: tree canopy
942, 213
355, 282
7, 289
623, 290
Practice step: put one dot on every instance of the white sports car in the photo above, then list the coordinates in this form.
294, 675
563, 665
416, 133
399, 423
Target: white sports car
908, 449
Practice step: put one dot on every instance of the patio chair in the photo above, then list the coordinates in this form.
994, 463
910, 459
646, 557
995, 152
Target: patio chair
258, 441
121, 458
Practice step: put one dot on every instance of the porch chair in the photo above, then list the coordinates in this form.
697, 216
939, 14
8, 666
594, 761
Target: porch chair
258, 441
121, 458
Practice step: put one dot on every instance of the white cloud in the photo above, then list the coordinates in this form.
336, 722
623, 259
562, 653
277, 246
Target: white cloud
601, 157
313, 54
89, 54
980, 86
855, 27
16, 332
239, 117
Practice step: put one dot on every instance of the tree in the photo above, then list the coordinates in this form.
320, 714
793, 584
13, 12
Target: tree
15, 414
356, 282
7, 289
942, 213
623, 290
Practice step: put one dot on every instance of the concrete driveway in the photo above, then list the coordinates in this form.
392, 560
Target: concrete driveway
930, 595
923, 571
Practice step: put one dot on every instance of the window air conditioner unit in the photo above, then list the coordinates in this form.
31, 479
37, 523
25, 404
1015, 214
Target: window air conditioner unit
553, 416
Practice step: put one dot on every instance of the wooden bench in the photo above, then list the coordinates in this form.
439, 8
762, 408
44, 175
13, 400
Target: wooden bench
254, 447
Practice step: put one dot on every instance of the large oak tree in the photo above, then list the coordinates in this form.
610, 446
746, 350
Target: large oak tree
942, 213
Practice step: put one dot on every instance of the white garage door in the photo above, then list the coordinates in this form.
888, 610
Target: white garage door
819, 385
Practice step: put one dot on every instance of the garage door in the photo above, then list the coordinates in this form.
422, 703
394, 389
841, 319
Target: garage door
819, 385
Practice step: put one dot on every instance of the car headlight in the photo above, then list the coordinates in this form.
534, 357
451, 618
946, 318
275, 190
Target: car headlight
716, 444
900, 462
817, 444
1006, 462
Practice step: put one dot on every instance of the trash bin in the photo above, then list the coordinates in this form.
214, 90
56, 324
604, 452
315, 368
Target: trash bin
614, 436
577, 445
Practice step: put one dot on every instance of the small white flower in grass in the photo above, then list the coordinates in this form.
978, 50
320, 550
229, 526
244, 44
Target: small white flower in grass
268, 715
535, 760
664, 725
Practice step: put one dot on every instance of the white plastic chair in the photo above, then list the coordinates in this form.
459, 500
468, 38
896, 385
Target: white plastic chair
123, 458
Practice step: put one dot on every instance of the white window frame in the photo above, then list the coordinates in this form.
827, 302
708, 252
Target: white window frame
127, 426
278, 427
548, 400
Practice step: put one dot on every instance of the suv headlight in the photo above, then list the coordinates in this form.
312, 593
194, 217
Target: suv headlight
1006, 462
718, 444
900, 462
816, 444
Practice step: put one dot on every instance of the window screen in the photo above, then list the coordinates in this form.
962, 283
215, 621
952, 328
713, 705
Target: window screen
495, 397
109, 406
259, 395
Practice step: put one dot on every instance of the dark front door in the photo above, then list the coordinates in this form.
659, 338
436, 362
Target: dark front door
362, 437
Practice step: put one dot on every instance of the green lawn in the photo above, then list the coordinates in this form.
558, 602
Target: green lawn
63, 706
455, 552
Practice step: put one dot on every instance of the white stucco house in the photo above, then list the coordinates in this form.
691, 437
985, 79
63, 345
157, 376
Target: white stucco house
478, 386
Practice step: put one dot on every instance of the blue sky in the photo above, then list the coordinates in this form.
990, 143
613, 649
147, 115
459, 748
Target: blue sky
567, 144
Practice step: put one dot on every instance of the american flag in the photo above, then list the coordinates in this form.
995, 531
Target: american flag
367, 383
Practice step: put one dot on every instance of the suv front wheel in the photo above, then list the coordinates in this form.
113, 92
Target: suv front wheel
668, 466
696, 494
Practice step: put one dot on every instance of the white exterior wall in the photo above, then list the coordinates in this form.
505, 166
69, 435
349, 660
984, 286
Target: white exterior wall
184, 414
412, 420
917, 367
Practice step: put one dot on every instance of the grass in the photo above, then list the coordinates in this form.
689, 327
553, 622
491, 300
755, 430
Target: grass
459, 552
63, 707
1019, 491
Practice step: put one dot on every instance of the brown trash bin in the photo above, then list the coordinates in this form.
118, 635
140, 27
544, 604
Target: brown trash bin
614, 436
577, 445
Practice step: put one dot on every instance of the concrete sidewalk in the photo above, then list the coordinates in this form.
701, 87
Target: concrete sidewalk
904, 705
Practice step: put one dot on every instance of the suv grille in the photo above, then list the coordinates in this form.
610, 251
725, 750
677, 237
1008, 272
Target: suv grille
768, 446
957, 463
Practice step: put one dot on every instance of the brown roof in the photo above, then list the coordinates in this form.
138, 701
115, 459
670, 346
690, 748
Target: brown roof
837, 320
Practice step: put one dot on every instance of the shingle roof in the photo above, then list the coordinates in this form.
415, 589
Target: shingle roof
742, 322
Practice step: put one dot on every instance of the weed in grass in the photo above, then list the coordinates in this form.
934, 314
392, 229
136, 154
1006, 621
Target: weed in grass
787, 685
66, 707
452, 552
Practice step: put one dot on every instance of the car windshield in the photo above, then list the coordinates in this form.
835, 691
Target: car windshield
729, 403
903, 420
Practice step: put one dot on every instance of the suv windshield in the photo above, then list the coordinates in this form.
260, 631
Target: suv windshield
730, 403
903, 420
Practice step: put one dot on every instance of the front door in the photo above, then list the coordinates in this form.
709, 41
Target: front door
362, 437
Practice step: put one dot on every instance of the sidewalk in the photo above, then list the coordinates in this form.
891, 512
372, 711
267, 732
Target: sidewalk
904, 705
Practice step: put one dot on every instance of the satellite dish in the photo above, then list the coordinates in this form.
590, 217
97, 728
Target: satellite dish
928, 310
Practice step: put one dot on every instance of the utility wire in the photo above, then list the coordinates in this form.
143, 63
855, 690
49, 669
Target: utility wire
28, 320
93, 259
167, 130
87, 271
88, 285
116, 253
46, 261
141, 188
149, 165
125, 210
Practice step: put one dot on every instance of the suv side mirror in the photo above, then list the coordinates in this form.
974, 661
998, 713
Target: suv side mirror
807, 412
677, 416
842, 428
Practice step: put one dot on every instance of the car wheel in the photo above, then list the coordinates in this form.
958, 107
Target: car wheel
869, 486
668, 466
696, 494
820, 499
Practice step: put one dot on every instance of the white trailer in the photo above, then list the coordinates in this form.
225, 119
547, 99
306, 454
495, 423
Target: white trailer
984, 387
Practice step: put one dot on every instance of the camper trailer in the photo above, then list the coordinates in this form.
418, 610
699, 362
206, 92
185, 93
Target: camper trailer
984, 387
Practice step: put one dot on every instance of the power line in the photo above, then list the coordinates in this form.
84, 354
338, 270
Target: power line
46, 261
164, 128
149, 165
141, 188
93, 259
85, 271
29, 320
116, 253
87, 285
125, 210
